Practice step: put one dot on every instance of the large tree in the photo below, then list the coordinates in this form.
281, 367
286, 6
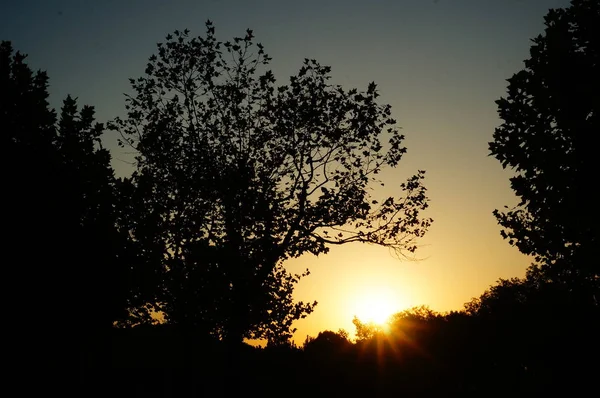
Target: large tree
241, 174
549, 137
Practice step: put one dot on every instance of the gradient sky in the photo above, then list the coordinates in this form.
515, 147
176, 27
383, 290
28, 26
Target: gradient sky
441, 64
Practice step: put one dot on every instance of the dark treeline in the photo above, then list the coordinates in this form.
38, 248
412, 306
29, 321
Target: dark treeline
521, 337
148, 285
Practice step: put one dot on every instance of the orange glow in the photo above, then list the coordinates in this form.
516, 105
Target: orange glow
375, 305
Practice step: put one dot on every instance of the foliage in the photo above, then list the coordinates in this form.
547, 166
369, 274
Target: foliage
100, 254
550, 123
327, 341
366, 330
505, 296
28, 137
238, 175
73, 263
422, 312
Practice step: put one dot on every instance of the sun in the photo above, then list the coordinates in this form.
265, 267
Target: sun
376, 305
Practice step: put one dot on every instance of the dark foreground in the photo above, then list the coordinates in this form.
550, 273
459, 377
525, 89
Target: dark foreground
168, 364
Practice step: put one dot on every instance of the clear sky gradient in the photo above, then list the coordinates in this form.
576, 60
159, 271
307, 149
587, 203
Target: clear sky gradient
440, 64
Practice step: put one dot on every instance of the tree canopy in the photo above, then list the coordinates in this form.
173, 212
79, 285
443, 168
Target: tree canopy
72, 264
549, 138
239, 174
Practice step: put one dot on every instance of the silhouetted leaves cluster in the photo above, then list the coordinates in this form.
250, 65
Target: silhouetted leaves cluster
239, 174
549, 138
72, 263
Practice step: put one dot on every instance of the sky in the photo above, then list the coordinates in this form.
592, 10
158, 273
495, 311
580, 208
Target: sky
440, 64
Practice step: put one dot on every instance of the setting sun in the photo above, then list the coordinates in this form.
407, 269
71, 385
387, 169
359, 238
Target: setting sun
376, 305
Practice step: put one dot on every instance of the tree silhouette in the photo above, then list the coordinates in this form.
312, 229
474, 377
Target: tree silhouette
366, 330
548, 136
73, 264
29, 166
240, 174
327, 342
517, 320
111, 273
